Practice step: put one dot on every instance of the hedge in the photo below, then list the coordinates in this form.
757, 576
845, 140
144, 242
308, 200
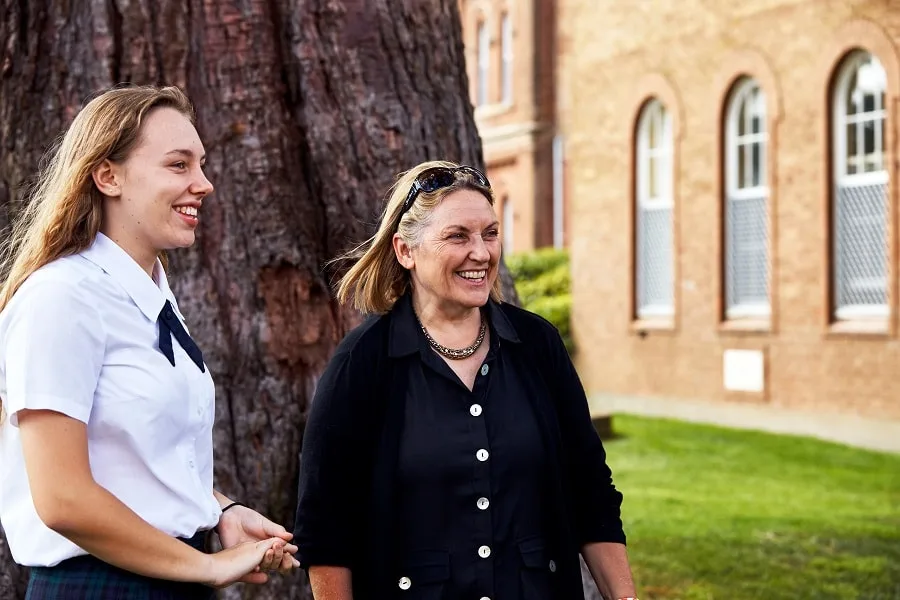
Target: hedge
544, 286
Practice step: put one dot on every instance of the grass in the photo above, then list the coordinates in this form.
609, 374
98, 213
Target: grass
715, 513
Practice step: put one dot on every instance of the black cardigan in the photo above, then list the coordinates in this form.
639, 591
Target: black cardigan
349, 454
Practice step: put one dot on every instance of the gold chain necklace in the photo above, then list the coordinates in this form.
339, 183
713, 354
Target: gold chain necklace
454, 353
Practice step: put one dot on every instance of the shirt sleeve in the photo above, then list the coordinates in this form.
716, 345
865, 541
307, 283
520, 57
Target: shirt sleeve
54, 348
331, 499
596, 502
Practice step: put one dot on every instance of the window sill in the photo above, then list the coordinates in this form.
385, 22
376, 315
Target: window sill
647, 325
746, 325
487, 111
876, 328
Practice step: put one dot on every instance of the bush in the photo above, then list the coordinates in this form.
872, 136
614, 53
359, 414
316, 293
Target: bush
528, 265
543, 283
557, 310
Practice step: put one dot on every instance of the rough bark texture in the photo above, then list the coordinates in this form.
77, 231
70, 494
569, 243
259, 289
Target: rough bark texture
308, 108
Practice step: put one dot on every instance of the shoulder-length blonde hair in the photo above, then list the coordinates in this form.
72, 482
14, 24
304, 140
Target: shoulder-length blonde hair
64, 209
377, 279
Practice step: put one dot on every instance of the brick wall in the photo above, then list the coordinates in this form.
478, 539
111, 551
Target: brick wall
615, 55
517, 135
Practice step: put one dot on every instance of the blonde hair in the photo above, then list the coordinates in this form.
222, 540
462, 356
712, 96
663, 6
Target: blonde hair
64, 209
376, 280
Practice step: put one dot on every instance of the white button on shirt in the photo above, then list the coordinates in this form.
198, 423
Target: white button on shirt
80, 337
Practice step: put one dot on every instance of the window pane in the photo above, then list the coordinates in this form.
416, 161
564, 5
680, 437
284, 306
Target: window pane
741, 166
756, 164
483, 64
852, 97
851, 149
652, 127
742, 118
653, 164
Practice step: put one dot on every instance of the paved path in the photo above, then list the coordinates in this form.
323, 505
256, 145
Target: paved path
847, 429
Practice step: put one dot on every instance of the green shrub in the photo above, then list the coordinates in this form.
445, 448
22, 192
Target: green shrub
554, 282
557, 310
543, 283
528, 265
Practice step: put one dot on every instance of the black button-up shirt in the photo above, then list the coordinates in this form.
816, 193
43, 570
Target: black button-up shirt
471, 471
397, 494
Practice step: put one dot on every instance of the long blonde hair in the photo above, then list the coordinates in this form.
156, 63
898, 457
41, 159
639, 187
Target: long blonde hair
376, 280
64, 210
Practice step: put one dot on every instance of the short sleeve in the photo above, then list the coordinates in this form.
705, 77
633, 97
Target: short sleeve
53, 350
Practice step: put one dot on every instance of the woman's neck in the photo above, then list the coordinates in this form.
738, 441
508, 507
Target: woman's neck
437, 315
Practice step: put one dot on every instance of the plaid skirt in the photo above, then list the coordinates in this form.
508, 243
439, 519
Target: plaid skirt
89, 578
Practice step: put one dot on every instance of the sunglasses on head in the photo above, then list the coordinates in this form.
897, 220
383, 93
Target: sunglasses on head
436, 178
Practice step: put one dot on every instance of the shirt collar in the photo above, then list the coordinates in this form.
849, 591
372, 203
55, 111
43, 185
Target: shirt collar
406, 337
146, 294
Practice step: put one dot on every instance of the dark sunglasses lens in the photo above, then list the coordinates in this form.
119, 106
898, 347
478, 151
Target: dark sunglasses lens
477, 175
436, 179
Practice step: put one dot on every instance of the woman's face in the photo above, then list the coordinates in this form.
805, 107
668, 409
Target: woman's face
155, 196
455, 263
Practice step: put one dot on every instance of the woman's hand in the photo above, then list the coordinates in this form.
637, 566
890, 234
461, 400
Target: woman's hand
240, 524
241, 562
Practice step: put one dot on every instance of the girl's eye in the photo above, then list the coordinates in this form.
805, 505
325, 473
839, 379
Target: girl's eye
180, 165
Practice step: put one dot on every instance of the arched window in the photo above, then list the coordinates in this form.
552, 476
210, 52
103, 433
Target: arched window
653, 216
860, 251
746, 203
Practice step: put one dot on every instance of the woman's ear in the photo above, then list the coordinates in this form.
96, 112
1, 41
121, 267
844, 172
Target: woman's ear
106, 178
403, 251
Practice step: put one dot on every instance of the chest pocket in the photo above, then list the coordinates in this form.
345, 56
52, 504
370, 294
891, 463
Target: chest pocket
424, 576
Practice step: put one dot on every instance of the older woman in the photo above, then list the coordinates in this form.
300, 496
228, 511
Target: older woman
449, 452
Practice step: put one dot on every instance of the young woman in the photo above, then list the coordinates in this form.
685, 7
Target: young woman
106, 449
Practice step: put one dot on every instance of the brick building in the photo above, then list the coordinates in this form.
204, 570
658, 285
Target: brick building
732, 184
510, 57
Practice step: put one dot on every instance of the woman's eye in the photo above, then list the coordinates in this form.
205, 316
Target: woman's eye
492, 233
458, 236
180, 165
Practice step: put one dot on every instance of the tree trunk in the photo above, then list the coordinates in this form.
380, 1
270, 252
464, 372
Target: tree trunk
308, 108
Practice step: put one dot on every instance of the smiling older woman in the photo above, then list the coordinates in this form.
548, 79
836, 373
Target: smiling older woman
449, 452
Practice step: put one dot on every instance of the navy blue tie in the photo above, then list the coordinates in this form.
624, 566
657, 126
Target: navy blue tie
169, 325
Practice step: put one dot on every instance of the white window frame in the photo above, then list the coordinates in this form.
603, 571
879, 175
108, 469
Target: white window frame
736, 191
655, 112
506, 52
842, 179
483, 49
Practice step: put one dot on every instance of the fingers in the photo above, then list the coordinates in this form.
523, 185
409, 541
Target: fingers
273, 557
288, 562
275, 530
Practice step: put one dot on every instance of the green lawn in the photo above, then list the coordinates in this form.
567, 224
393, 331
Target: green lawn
723, 514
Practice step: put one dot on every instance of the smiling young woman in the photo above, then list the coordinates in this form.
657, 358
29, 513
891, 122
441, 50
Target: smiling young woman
106, 453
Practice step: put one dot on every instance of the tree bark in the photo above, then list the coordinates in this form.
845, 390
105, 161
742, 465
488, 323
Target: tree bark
308, 109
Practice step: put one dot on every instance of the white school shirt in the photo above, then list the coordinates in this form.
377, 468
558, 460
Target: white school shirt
80, 337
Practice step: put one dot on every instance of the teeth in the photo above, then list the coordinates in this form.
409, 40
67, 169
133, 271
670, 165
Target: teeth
472, 274
187, 210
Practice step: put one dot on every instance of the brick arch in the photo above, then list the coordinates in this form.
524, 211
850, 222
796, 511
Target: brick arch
656, 86
741, 64
867, 36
